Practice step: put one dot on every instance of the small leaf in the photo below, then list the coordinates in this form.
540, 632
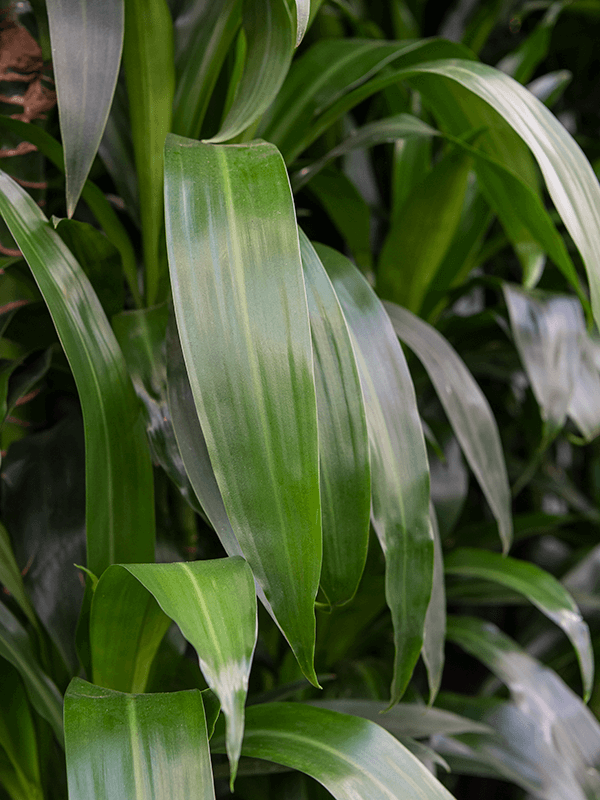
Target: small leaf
142, 747
87, 39
302, 18
10, 577
434, 637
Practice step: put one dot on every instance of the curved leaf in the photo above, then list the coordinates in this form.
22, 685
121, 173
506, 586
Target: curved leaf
11, 579
467, 408
16, 647
343, 439
434, 638
119, 493
269, 32
351, 757
540, 587
214, 605
302, 18
237, 281
143, 747
399, 469
87, 40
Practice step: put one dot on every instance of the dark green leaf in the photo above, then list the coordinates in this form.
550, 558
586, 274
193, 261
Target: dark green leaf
11, 578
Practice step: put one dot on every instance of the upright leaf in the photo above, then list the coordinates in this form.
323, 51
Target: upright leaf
87, 39
540, 587
467, 408
214, 605
351, 757
399, 469
119, 494
150, 72
302, 18
143, 747
434, 638
343, 438
237, 281
11, 578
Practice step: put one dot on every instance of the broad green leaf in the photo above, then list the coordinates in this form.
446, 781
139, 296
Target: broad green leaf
390, 129
269, 30
302, 19
569, 177
11, 579
214, 605
126, 628
92, 195
434, 637
540, 587
420, 237
351, 757
150, 72
142, 747
16, 647
399, 470
343, 439
237, 281
547, 329
406, 719
467, 408
411, 164
87, 40
17, 733
569, 751
119, 494
203, 35
43, 502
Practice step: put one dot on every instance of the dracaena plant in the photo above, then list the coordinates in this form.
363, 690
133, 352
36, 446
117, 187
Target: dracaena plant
298, 309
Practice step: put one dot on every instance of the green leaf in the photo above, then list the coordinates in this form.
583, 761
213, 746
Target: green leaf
87, 40
540, 587
16, 647
302, 19
119, 494
351, 757
343, 439
202, 40
417, 242
547, 329
434, 637
143, 747
214, 605
569, 177
467, 408
92, 195
244, 292
150, 72
11, 579
126, 628
390, 129
269, 30
399, 470
17, 732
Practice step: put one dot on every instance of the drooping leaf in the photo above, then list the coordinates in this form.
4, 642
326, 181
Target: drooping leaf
540, 587
119, 494
270, 36
343, 439
399, 469
434, 638
214, 605
467, 409
17, 648
143, 747
150, 72
237, 280
87, 40
351, 757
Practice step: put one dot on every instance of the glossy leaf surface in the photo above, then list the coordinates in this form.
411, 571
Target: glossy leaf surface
399, 469
467, 408
87, 39
540, 587
351, 757
143, 747
237, 281
214, 605
343, 438
119, 494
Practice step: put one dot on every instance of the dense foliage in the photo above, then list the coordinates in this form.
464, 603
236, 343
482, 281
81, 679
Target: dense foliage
299, 391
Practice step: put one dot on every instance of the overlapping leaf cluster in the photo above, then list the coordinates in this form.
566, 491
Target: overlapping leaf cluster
298, 343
